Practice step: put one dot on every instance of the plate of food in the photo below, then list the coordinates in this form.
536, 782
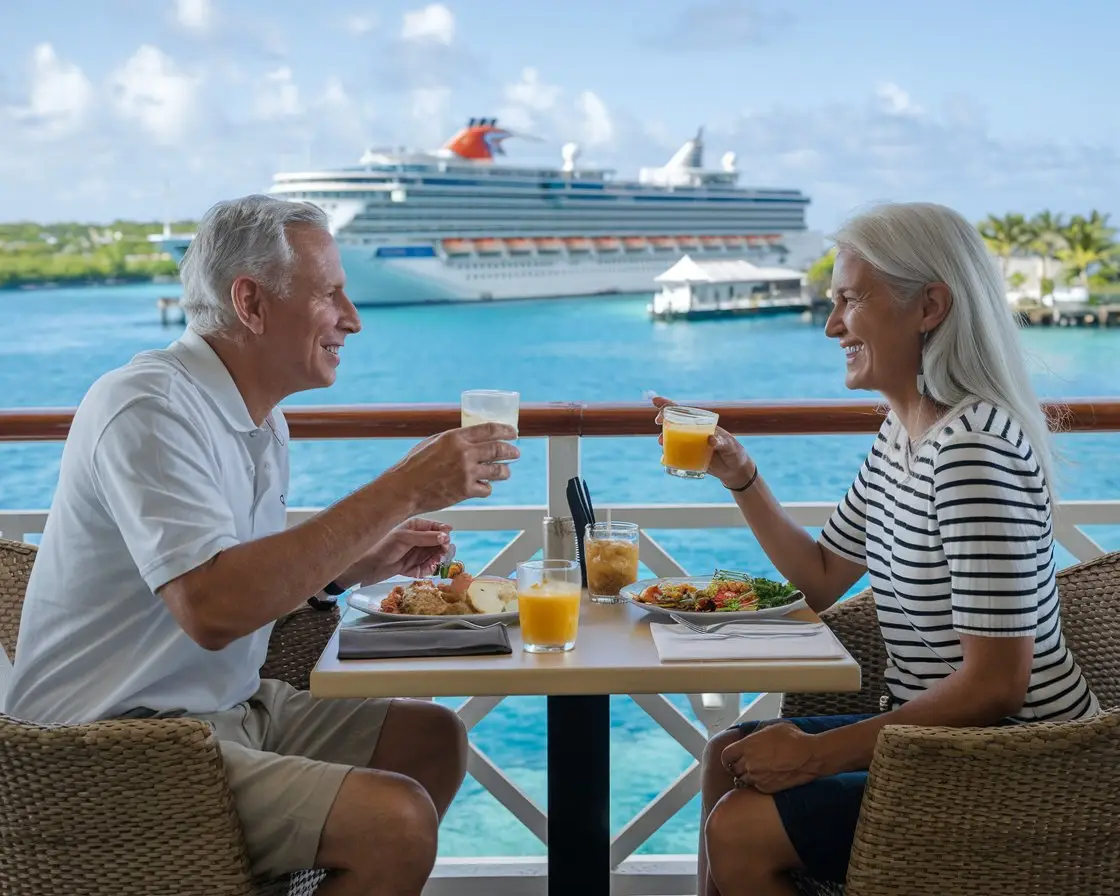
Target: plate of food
455, 594
726, 595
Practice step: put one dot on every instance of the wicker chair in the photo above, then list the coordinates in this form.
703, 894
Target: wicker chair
1032, 809
130, 808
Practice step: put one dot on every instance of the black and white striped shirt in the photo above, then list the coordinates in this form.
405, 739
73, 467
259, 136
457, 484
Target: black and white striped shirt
962, 544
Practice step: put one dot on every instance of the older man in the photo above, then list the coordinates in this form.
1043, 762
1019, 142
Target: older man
166, 560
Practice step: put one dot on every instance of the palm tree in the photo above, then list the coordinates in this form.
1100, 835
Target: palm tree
1088, 244
1005, 236
819, 274
1046, 240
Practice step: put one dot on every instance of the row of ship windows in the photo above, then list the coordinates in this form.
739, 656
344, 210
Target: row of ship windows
546, 198
541, 273
550, 268
679, 190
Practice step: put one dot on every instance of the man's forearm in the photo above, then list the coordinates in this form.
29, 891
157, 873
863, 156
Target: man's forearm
957, 701
255, 583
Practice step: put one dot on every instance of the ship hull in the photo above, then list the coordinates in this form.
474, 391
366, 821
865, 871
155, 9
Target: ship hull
380, 281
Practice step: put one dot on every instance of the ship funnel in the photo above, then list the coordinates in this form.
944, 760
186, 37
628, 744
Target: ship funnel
569, 154
690, 155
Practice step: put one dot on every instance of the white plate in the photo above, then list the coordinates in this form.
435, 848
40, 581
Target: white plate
632, 592
368, 600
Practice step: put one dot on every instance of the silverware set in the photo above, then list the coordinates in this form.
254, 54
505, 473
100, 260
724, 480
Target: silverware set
793, 628
423, 625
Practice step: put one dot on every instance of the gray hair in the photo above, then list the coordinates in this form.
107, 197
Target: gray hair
975, 353
244, 237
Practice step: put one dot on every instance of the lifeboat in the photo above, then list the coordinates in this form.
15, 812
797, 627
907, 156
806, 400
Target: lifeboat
488, 247
578, 244
635, 243
733, 242
607, 243
458, 247
664, 243
712, 242
549, 244
688, 242
754, 239
519, 246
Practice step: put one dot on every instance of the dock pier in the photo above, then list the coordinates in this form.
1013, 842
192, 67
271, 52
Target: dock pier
167, 305
1072, 316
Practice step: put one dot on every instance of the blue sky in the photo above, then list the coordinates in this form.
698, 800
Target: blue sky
134, 108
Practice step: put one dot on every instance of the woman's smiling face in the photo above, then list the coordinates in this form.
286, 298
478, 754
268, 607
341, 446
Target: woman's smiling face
881, 336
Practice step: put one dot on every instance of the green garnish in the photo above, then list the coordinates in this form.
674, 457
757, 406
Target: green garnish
771, 593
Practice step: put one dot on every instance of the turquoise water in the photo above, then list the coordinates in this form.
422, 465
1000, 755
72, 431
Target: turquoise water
53, 344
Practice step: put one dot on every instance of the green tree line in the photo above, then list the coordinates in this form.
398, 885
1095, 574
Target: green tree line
1080, 250
70, 253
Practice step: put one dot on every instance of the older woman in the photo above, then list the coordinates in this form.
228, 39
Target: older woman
951, 517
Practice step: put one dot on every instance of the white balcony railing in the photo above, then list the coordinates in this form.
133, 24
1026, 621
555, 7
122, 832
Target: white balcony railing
634, 875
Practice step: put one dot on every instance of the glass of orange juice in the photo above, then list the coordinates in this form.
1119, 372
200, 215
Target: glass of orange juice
548, 599
685, 433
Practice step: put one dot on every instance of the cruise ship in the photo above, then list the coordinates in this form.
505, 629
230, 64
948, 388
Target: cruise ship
461, 224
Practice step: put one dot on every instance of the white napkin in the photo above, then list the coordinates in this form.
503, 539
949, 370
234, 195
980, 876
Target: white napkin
675, 643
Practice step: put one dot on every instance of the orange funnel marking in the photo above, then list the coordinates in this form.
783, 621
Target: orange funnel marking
478, 142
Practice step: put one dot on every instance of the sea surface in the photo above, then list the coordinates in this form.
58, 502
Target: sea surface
55, 343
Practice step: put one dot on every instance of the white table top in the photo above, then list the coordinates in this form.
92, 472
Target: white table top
614, 654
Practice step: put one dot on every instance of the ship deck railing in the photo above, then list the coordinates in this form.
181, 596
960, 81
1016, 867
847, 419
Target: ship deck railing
565, 426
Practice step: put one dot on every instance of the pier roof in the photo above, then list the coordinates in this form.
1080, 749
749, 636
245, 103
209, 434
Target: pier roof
689, 270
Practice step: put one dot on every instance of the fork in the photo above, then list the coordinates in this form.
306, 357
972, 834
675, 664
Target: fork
422, 625
808, 628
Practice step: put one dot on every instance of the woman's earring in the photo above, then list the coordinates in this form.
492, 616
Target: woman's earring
921, 365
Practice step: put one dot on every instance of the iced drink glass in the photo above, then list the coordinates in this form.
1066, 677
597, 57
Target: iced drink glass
611, 555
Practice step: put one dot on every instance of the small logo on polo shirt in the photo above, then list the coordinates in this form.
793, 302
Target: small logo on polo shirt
282, 501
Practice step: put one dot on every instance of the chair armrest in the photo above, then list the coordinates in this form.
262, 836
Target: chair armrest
1004, 811
856, 625
16, 560
129, 808
296, 644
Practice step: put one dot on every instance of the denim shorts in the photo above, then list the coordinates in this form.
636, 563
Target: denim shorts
820, 817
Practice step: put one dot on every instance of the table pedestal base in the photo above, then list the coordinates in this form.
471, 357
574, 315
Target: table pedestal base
579, 775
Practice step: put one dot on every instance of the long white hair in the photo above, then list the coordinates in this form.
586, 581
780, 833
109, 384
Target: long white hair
975, 353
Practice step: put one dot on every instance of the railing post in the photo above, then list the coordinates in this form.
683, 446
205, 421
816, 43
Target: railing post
563, 464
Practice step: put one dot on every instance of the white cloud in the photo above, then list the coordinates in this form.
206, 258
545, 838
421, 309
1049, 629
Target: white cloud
194, 15
596, 126
361, 24
531, 92
894, 100
891, 147
434, 23
533, 105
278, 96
60, 96
150, 90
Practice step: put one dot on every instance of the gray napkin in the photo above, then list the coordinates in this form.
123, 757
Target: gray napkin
358, 643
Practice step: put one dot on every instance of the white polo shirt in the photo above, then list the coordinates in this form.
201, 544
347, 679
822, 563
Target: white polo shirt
163, 469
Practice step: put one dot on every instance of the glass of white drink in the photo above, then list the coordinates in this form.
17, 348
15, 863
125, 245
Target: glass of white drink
490, 406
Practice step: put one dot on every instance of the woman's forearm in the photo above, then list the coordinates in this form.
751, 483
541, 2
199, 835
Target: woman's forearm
959, 700
819, 574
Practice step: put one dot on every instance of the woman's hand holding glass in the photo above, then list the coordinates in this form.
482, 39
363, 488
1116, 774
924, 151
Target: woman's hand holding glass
730, 463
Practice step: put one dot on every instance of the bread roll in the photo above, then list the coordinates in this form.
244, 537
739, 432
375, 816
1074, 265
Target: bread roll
489, 594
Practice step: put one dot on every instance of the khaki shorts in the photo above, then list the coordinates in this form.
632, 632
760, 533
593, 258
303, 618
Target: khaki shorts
286, 754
